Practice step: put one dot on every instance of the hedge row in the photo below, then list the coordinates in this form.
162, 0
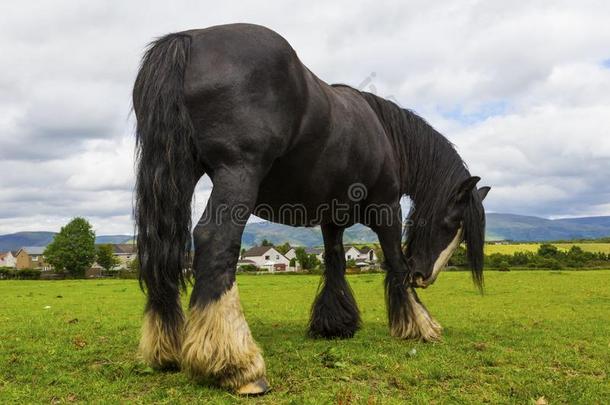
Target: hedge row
9, 273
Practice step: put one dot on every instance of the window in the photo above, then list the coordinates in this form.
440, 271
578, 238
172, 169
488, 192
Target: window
277, 257
267, 257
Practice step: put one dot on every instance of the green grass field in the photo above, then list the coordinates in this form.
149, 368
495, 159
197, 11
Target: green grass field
533, 334
533, 247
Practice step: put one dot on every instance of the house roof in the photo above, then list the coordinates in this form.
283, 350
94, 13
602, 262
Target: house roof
256, 251
34, 250
124, 248
363, 249
314, 251
246, 261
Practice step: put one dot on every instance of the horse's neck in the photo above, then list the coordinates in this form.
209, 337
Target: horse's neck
428, 162
431, 163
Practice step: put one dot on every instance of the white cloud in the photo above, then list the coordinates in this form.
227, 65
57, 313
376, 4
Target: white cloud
519, 88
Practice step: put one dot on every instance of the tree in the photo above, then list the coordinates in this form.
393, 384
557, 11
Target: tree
504, 266
134, 265
459, 257
73, 248
379, 254
307, 262
106, 257
283, 249
265, 242
548, 250
248, 268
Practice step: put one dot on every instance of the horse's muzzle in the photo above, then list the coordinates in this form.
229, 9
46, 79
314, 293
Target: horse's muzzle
418, 281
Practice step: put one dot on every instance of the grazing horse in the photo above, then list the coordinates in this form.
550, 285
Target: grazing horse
235, 102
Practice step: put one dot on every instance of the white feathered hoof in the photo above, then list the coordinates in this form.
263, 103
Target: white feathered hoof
259, 387
417, 323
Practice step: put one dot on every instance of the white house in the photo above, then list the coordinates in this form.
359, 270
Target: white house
126, 252
7, 259
367, 254
318, 252
351, 253
291, 254
266, 257
363, 256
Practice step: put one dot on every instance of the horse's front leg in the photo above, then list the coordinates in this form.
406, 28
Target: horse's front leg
218, 345
334, 313
407, 315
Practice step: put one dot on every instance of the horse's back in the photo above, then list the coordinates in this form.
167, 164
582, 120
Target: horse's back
244, 89
237, 56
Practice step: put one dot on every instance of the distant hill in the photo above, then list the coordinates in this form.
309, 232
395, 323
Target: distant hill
534, 229
276, 233
514, 227
520, 228
114, 239
18, 240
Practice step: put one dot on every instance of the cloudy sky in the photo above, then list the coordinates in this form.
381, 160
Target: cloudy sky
522, 90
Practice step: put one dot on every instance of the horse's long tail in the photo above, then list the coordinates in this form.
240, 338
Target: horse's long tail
166, 167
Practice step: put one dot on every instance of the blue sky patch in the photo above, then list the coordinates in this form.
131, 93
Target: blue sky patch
485, 111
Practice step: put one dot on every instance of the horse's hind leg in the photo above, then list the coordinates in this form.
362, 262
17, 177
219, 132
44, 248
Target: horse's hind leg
161, 339
218, 345
334, 312
408, 317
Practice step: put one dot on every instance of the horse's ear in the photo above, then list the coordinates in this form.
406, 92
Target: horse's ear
483, 192
465, 189
455, 210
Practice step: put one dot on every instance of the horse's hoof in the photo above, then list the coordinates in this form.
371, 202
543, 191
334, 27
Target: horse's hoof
258, 387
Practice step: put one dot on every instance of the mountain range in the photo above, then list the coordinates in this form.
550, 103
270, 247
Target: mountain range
499, 227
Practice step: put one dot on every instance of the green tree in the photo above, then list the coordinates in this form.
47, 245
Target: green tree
106, 257
134, 265
459, 257
248, 268
73, 248
379, 254
548, 250
265, 242
307, 262
283, 249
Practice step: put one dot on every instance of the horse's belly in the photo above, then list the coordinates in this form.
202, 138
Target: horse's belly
307, 198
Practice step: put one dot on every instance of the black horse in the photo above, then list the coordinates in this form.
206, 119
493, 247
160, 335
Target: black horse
235, 102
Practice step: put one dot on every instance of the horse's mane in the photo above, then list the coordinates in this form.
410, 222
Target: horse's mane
430, 171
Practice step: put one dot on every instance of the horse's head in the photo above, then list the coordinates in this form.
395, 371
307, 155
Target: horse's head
439, 230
